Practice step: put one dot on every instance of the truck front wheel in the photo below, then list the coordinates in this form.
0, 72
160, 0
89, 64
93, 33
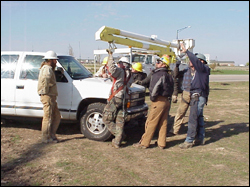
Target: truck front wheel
91, 123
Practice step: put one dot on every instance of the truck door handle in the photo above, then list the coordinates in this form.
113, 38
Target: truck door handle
20, 86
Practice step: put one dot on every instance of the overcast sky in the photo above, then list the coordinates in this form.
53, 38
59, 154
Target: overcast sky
219, 28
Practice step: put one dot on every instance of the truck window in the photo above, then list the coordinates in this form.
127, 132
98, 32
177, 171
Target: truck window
75, 70
30, 67
149, 60
8, 66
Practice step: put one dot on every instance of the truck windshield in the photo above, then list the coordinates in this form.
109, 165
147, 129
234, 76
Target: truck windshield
147, 59
74, 68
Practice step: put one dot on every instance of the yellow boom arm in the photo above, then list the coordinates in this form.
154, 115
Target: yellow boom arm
108, 34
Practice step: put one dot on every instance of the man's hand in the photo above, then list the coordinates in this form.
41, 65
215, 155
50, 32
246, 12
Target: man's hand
104, 75
174, 98
110, 51
183, 48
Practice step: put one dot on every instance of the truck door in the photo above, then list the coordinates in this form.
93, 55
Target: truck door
9, 64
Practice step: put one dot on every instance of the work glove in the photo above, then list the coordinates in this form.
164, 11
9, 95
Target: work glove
174, 98
182, 55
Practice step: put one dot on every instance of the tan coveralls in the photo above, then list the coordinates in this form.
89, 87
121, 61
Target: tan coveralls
181, 111
47, 90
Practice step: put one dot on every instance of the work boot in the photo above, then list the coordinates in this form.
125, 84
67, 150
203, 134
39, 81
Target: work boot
114, 144
199, 142
46, 140
161, 147
54, 139
124, 136
186, 145
138, 145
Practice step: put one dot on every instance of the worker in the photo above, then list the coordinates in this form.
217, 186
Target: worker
103, 72
47, 91
199, 92
161, 90
137, 72
115, 110
186, 75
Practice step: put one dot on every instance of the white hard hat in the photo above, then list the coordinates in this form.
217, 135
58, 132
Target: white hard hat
124, 59
50, 55
201, 56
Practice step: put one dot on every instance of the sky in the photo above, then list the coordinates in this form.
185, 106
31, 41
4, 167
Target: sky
219, 28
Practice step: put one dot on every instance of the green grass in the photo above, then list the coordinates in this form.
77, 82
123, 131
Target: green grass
229, 72
217, 71
16, 139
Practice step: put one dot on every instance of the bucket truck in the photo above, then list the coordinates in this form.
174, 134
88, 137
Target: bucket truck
132, 40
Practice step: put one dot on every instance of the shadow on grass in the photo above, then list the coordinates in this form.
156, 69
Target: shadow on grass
218, 89
65, 127
225, 131
212, 133
11, 167
32, 153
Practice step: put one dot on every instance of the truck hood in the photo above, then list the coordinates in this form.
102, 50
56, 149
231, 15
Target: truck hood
97, 87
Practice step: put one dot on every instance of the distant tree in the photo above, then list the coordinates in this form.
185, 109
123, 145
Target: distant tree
213, 66
247, 64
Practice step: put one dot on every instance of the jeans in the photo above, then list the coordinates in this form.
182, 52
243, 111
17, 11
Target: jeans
196, 123
200, 128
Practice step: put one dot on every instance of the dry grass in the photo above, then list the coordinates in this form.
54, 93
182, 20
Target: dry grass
222, 161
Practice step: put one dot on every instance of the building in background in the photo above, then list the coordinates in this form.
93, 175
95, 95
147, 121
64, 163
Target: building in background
222, 63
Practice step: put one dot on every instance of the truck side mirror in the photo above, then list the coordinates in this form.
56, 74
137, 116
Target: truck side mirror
60, 75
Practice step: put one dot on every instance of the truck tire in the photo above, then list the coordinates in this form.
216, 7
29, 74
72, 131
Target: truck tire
91, 123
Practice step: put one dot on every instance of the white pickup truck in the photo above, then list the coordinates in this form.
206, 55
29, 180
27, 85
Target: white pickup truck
81, 97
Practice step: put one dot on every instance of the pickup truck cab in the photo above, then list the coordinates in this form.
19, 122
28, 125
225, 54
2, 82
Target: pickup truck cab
81, 97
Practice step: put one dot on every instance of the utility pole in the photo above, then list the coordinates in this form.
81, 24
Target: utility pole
71, 50
179, 30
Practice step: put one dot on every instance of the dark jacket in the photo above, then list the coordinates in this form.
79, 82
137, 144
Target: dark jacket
145, 82
139, 76
161, 83
200, 82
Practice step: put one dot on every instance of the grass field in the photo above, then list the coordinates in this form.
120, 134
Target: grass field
77, 161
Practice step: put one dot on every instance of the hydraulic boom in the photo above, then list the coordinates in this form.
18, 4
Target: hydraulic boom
116, 36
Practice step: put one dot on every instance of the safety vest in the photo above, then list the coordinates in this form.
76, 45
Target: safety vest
121, 87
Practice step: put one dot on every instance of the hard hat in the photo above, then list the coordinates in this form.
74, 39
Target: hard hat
201, 56
50, 55
165, 59
124, 59
105, 60
137, 66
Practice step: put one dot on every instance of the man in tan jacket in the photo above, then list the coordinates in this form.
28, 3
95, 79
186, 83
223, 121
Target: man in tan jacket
47, 91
